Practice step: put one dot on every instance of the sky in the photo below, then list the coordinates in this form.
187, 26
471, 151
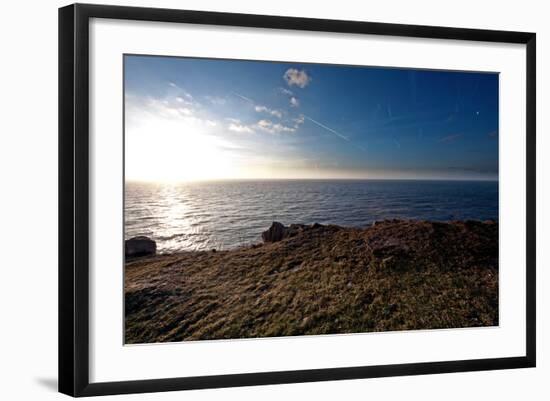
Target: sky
189, 119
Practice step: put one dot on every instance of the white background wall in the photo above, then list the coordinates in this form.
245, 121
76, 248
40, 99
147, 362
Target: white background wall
28, 200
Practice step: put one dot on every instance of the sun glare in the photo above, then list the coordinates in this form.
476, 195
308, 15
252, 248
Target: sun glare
164, 150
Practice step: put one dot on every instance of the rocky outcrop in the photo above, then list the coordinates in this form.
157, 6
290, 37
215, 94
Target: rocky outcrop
139, 246
275, 233
278, 231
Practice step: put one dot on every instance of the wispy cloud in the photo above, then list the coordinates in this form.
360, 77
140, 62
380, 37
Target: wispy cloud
235, 125
264, 124
259, 108
179, 98
293, 100
182, 93
449, 138
297, 77
264, 109
170, 107
298, 120
286, 91
274, 128
184, 100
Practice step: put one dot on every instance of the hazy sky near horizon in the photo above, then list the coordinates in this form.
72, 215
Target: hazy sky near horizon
197, 119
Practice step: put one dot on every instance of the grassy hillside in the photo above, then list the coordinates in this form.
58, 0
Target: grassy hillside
395, 275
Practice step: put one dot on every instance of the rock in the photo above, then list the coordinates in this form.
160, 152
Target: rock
275, 233
278, 231
139, 246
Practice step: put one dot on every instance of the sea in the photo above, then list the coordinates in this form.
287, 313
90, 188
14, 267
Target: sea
228, 214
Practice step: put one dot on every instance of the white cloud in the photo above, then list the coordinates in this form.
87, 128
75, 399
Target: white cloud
294, 102
236, 126
283, 128
167, 108
297, 77
273, 112
265, 124
298, 121
287, 92
269, 126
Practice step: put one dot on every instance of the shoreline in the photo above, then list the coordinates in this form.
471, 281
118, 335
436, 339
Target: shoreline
260, 242
319, 279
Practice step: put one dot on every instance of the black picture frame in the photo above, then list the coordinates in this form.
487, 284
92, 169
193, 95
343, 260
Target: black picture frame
74, 204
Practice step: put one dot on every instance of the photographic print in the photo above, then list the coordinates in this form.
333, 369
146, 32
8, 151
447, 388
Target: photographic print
268, 199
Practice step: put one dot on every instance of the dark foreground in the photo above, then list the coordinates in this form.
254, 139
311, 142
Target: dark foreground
395, 275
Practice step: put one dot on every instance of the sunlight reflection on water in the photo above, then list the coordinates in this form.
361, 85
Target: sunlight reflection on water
222, 215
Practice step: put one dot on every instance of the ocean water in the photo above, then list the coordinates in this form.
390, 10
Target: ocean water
228, 214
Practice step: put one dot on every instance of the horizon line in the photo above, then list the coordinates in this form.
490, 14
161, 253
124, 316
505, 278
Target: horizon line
311, 179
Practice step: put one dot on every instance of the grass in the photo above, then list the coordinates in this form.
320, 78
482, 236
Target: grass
396, 275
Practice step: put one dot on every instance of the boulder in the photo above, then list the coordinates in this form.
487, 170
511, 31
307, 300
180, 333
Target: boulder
139, 246
278, 231
275, 233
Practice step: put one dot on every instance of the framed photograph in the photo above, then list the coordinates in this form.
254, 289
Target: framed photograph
249, 199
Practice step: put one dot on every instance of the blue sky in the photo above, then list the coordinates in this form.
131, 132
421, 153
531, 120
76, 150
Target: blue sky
193, 119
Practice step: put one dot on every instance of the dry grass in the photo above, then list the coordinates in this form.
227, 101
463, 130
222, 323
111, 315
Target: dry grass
396, 275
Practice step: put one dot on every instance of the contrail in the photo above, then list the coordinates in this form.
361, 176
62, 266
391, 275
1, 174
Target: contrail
327, 128
244, 97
